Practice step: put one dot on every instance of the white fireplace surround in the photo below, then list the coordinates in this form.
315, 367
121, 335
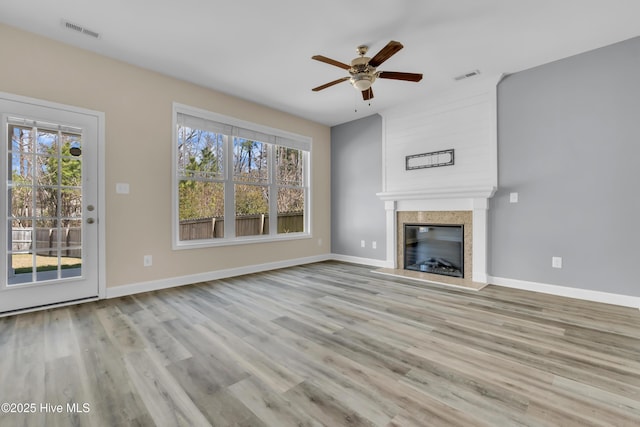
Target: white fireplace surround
474, 199
463, 119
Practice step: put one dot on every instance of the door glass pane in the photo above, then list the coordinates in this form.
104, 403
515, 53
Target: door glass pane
71, 263
20, 268
47, 237
46, 170
71, 240
45, 204
71, 145
21, 235
47, 142
21, 140
47, 265
70, 202
20, 200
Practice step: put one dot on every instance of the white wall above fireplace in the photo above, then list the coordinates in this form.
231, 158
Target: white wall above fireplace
463, 119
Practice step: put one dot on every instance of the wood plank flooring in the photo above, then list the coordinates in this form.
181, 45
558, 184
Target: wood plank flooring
326, 344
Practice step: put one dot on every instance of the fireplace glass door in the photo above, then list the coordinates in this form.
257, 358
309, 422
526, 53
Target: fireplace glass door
436, 249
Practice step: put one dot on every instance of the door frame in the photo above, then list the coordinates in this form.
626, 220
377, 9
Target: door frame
100, 197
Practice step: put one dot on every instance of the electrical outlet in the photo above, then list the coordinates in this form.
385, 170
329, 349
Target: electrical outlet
147, 261
556, 262
362, 243
374, 245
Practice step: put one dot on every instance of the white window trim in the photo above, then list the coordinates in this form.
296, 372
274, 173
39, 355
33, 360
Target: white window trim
298, 141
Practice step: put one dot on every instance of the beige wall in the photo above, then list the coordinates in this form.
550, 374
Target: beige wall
137, 104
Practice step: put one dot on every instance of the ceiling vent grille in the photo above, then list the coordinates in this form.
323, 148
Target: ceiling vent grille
467, 75
80, 29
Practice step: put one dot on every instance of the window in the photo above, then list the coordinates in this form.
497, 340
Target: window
236, 181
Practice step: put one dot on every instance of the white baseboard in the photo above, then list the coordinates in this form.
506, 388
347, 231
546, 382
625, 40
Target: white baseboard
154, 285
565, 291
364, 261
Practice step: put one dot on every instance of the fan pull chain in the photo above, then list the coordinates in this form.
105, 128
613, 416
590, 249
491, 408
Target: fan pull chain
357, 98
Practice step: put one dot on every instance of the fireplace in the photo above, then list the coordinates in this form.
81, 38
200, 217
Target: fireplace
434, 248
459, 223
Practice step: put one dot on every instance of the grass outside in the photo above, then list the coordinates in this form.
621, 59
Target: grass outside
23, 263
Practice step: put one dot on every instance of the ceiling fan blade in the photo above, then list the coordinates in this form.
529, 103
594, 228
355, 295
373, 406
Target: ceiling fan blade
395, 75
326, 85
387, 52
331, 61
367, 94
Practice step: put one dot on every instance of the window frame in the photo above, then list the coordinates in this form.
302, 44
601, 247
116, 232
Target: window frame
305, 144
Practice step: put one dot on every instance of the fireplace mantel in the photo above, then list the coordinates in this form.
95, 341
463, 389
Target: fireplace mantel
480, 192
473, 199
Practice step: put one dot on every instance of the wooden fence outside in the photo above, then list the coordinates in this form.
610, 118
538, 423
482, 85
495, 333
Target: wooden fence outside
246, 225
46, 241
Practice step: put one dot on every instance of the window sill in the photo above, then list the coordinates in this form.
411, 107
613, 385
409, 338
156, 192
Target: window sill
245, 240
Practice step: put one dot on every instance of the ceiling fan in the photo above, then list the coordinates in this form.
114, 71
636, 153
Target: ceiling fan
362, 71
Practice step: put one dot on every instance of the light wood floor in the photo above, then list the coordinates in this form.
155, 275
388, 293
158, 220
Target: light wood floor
325, 344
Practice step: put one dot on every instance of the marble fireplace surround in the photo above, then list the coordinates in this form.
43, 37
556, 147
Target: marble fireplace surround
437, 218
443, 206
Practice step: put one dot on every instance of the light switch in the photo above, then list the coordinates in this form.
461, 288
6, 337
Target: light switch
122, 188
513, 197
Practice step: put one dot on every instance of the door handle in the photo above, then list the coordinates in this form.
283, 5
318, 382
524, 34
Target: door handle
90, 220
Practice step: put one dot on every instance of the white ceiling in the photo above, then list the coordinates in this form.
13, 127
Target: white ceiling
261, 49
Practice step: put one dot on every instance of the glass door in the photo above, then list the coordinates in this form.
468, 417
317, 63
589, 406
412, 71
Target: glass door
49, 207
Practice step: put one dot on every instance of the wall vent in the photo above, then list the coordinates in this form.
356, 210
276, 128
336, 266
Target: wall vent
80, 29
467, 75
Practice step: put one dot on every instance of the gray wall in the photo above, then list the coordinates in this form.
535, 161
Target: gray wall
569, 144
356, 176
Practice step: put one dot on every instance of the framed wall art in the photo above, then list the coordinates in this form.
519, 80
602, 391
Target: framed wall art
430, 160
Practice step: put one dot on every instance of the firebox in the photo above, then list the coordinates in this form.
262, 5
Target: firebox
434, 248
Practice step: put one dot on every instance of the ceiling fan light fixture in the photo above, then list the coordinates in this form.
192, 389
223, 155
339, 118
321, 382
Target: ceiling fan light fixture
361, 81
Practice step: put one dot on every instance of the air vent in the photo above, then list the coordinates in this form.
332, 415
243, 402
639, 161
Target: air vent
467, 75
80, 29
